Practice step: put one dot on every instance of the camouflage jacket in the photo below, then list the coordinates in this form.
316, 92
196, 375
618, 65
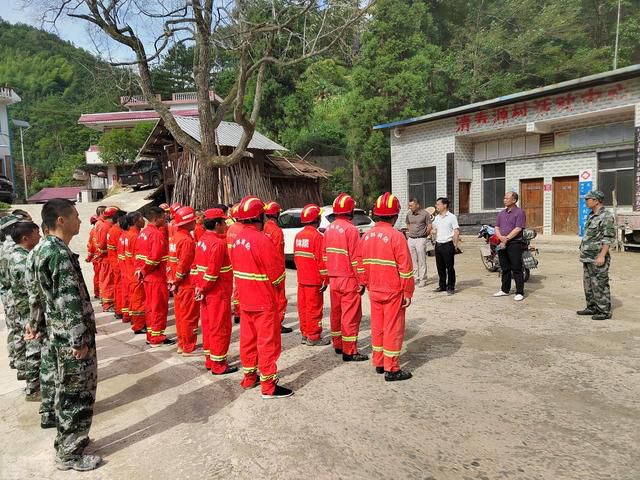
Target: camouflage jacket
599, 230
5, 284
17, 267
36, 321
67, 306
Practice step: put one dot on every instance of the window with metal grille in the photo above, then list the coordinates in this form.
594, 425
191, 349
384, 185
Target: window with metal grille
615, 172
493, 185
422, 185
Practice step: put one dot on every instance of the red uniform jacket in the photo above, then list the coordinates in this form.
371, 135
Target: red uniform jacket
122, 258
171, 230
182, 251
257, 270
130, 239
342, 250
102, 229
387, 261
232, 233
113, 236
152, 254
212, 271
198, 232
91, 245
274, 233
307, 254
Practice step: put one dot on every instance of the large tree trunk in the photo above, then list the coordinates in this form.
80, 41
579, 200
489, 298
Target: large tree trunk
196, 184
358, 189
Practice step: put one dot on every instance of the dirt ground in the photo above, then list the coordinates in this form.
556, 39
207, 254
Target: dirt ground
501, 390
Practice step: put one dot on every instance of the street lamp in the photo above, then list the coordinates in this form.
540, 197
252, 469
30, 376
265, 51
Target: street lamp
22, 125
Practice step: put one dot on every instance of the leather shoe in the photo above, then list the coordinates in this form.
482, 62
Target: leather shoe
397, 376
438, 290
356, 357
284, 329
379, 370
141, 331
601, 316
586, 311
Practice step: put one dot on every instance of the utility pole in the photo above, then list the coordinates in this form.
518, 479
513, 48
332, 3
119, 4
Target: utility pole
615, 53
21, 124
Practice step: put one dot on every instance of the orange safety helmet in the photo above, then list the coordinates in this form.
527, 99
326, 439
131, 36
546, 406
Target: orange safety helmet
310, 213
165, 207
233, 212
184, 216
249, 208
272, 209
343, 204
214, 213
174, 208
110, 212
387, 205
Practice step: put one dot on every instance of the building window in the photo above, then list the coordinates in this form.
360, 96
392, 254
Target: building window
615, 172
493, 186
422, 185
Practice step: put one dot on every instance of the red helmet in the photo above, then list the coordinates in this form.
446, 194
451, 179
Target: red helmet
250, 207
183, 216
272, 208
343, 204
93, 219
174, 208
165, 207
110, 212
233, 212
387, 205
213, 213
310, 213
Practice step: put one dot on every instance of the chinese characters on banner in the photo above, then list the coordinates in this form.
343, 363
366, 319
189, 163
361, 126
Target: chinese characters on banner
566, 102
636, 172
585, 186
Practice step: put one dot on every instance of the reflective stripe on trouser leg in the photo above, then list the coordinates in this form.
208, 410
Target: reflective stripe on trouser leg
393, 324
335, 316
351, 306
313, 305
204, 321
136, 305
261, 339
107, 283
96, 279
156, 309
184, 302
218, 308
302, 310
248, 349
117, 291
377, 331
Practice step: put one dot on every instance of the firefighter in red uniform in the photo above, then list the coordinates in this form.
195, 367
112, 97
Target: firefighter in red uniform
312, 276
199, 230
106, 271
273, 231
92, 257
388, 275
167, 215
213, 275
258, 274
233, 230
122, 284
182, 251
171, 227
344, 266
136, 289
113, 238
151, 260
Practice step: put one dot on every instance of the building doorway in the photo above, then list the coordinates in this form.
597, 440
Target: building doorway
532, 202
464, 191
565, 205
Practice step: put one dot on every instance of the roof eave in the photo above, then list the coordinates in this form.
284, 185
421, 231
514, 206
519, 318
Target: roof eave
620, 74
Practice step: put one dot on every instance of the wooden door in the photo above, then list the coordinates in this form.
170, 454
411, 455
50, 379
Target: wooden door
464, 190
565, 205
532, 202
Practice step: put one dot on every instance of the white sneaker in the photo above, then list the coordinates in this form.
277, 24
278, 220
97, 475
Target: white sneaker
500, 293
518, 298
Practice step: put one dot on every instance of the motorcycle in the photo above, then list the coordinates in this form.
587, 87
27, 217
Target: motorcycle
489, 252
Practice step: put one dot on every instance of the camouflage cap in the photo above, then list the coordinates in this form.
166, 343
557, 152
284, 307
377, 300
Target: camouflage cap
596, 195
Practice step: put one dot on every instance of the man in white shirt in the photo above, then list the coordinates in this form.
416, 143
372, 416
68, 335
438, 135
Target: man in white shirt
447, 234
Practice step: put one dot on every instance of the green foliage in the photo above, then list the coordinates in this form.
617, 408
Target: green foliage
4, 206
121, 145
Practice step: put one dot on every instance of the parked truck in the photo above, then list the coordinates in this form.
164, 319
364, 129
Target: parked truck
629, 225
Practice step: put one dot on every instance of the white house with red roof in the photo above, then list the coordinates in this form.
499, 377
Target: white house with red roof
7, 97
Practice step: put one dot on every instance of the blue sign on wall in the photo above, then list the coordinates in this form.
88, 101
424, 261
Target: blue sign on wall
585, 186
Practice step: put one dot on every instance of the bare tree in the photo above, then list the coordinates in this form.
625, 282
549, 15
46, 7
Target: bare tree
257, 34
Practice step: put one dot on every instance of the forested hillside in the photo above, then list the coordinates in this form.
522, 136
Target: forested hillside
407, 58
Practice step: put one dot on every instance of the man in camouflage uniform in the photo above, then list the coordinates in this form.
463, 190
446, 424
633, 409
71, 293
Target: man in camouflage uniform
599, 234
71, 329
25, 235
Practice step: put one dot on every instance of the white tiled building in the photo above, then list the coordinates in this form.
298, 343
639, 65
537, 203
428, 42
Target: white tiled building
7, 97
540, 143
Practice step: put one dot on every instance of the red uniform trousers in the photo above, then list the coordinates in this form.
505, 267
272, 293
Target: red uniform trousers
310, 304
117, 290
204, 318
260, 347
107, 283
346, 313
235, 301
136, 305
387, 329
187, 316
156, 307
282, 302
96, 278
217, 330
124, 294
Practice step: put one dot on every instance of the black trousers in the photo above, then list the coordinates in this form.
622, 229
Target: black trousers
511, 266
445, 258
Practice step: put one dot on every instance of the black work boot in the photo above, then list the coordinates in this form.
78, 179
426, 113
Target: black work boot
228, 370
586, 311
397, 376
321, 342
379, 370
284, 329
236, 320
338, 351
601, 316
356, 357
279, 392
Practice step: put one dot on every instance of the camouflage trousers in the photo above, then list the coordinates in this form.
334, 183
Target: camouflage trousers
19, 343
47, 383
75, 393
32, 366
596, 286
9, 318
